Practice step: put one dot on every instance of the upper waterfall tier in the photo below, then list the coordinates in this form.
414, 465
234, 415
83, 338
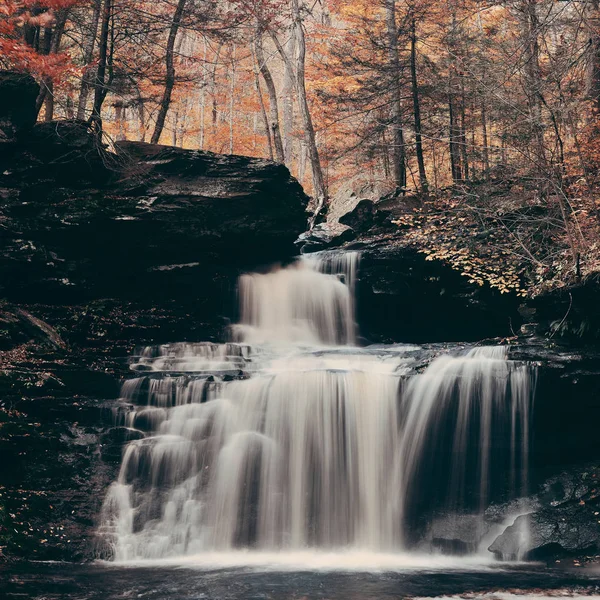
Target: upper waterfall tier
309, 302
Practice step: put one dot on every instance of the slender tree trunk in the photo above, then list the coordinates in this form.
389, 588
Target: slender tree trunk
44, 49
203, 96
484, 133
120, 118
417, 108
435, 165
174, 131
463, 131
232, 100
100, 83
455, 130
319, 186
165, 102
49, 101
263, 111
270, 85
140, 114
593, 78
533, 76
398, 150
88, 54
287, 97
50, 45
455, 162
69, 107
213, 91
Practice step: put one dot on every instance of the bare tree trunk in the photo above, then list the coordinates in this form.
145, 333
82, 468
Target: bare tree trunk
203, 97
319, 185
69, 107
287, 97
593, 79
320, 189
435, 165
120, 119
398, 151
273, 110
455, 162
141, 115
44, 48
213, 92
51, 45
263, 111
417, 108
170, 73
49, 101
100, 83
455, 130
88, 54
533, 76
463, 130
174, 131
484, 132
231, 100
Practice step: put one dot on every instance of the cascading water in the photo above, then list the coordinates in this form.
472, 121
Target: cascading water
293, 438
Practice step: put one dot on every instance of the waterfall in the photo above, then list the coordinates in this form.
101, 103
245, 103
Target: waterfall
309, 302
292, 437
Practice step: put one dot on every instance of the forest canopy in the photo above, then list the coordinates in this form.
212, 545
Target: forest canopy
485, 112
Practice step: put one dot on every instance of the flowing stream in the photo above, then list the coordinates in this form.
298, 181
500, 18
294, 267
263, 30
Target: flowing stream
291, 440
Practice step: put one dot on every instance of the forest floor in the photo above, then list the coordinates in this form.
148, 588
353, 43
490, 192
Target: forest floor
504, 234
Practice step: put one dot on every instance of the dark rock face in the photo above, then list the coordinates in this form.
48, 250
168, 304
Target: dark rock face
323, 237
562, 523
570, 314
403, 297
363, 216
81, 224
53, 409
18, 93
566, 409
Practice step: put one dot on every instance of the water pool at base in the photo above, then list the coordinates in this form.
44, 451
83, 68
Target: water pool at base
279, 581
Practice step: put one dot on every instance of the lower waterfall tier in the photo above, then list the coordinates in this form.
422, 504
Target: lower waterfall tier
322, 448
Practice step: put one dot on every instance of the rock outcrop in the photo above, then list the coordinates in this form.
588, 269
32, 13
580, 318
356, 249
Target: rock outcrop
80, 223
401, 296
563, 521
101, 251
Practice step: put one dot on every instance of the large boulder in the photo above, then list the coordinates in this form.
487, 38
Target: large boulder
564, 523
